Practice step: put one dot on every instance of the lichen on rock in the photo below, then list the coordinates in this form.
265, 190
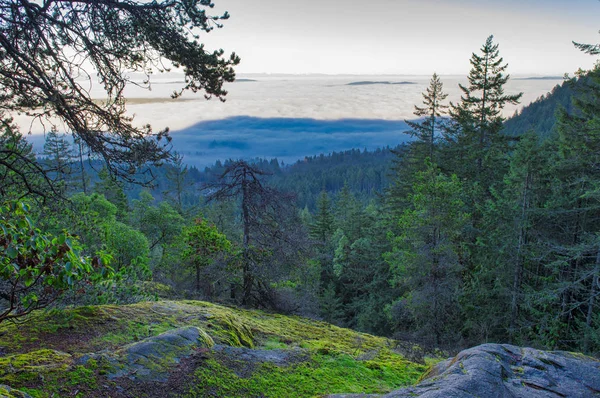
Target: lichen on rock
8, 392
151, 359
506, 371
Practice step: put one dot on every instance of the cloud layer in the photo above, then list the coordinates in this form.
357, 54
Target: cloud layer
287, 139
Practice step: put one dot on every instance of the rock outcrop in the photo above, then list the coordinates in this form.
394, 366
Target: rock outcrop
173, 349
7, 392
151, 359
506, 371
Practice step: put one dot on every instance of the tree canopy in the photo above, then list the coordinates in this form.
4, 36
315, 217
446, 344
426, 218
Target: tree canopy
53, 51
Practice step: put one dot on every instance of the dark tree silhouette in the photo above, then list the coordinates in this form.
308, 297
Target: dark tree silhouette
272, 236
50, 49
20, 174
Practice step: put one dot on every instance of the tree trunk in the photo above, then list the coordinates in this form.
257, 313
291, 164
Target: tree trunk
197, 278
82, 168
482, 121
247, 272
591, 301
519, 266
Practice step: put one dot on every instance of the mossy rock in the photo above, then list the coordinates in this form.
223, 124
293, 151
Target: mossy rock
152, 358
497, 371
7, 392
232, 331
193, 349
29, 367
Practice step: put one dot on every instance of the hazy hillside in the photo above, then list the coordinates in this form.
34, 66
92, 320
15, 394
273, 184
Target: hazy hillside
540, 115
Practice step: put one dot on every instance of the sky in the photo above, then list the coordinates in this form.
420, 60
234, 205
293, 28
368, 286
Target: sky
404, 36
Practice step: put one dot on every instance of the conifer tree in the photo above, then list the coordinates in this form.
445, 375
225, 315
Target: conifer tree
572, 216
426, 130
477, 148
79, 152
348, 214
425, 256
177, 176
58, 158
322, 230
499, 293
269, 224
411, 160
322, 227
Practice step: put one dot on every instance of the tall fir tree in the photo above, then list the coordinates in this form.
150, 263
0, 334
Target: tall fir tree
425, 260
58, 159
426, 131
499, 291
476, 148
321, 230
322, 226
80, 149
572, 217
411, 159
178, 184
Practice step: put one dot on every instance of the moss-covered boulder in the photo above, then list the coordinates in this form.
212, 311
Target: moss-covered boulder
8, 392
506, 371
195, 349
153, 358
33, 366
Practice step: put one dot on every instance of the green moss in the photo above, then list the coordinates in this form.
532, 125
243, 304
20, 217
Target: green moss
231, 331
293, 330
581, 356
24, 368
430, 362
342, 360
274, 343
114, 326
126, 331
10, 393
50, 368
322, 374
205, 341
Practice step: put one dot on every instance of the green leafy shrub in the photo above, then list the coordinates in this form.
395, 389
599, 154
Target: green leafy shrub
37, 268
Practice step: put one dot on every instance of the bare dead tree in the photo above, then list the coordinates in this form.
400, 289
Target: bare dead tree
273, 239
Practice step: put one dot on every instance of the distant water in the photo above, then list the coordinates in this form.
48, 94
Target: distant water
265, 113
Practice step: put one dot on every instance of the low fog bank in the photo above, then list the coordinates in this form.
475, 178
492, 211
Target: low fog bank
287, 139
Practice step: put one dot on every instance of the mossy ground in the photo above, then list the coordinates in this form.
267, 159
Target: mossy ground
320, 374
41, 355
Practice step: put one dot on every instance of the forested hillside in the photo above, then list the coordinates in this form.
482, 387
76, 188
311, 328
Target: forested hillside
541, 115
366, 173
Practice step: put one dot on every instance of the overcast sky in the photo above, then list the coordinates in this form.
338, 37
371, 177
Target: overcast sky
404, 36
